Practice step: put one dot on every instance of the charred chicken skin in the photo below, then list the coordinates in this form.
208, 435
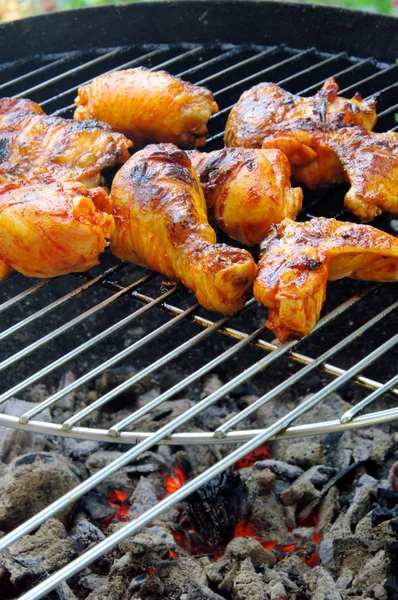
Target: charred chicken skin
267, 108
34, 145
247, 190
161, 222
368, 161
299, 259
264, 116
49, 228
148, 106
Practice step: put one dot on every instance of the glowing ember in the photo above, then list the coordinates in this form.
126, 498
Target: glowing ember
174, 481
261, 453
313, 560
116, 500
173, 554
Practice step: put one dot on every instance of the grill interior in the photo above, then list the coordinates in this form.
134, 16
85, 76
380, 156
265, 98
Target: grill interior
121, 314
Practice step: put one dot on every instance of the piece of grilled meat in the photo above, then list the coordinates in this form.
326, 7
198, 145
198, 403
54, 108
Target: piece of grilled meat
368, 161
299, 259
49, 228
161, 222
148, 106
247, 190
33, 145
267, 108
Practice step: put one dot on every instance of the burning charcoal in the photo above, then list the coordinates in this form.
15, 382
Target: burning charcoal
215, 509
30, 483
111, 589
248, 584
377, 536
268, 519
96, 506
371, 575
114, 377
37, 394
37, 555
177, 577
197, 591
14, 442
241, 548
328, 509
365, 494
276, 591
92, 581
300, 492
321, 585
143, 498
265, 480
62, 592
349, 553
283, 469
211, 384
84, 534
66, 403
318, 475
304, 454
77, 448
149, 546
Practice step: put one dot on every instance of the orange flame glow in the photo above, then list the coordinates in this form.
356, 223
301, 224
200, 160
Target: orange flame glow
260, 453
174, 481
116, 499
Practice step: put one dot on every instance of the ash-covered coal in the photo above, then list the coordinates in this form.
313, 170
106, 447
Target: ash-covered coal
298, 519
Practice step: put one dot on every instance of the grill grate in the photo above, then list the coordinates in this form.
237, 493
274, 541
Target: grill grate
119, 303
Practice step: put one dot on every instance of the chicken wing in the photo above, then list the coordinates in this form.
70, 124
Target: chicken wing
148, 106
247, 190
267, 108
34, 145
161, 222
49, 228
367, 160
299, 259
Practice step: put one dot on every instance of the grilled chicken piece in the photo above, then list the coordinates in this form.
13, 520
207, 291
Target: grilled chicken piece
299, 259
267, 108
34, 145
49, 228
148, 106
247, 190
161, 222
368, 161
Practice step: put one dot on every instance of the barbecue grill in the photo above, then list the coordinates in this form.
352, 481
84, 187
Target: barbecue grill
47, 325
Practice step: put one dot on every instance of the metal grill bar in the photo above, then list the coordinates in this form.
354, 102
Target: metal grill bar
63, 328
206, 63
38, 71
50, 307
83, 347
134, 526
65, 74
130, 63
350, 414
319, 84
162, 65
367, 79
241, 63
25, 294
303, 372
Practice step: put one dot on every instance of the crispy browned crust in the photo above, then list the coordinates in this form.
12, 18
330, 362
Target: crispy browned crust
367, 160
266, 108
148, 106
34, 145
49, 228
247, 190
161, 221
299, 259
